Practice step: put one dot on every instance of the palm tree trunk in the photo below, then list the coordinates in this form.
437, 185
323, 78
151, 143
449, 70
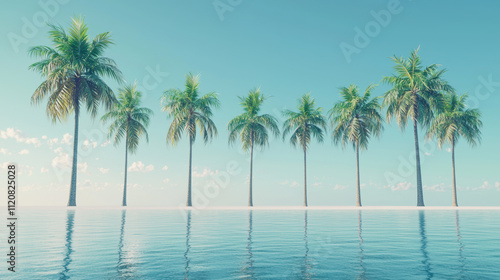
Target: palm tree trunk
74, 168
358, 201
188, 203
420, 194
454, 180
305, 178
250, 197
124, 203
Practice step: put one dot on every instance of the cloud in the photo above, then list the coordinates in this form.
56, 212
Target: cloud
497, 186
82, 167
140, 167
166, 180
11, 133
66, 139
3, 151
104, 170
485, 186
44, 170
24, 152
89, 143
206, 172
62, 160
164, 167
44, 137
448, 150
436, 188
428, 154
339, 187
105, 143
289, 183
401, 186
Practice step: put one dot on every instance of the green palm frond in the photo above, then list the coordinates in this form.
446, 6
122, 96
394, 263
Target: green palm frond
250, 127
128, 120
73, 70
305, 124
456, 121
190, 112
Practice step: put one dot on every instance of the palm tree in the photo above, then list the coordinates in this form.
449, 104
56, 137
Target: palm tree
416, 94
303, 125
252, 128
354, 120
129, 121
454, 122
73, 70
190, 111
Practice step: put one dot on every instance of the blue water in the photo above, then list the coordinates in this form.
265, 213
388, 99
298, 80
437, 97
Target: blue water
259, 244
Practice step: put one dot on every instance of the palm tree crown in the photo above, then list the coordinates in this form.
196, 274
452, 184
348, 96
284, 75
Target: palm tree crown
252, 128
356, 118
129, 119
73, 70
305, 124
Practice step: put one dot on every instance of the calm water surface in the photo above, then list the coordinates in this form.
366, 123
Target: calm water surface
259, 244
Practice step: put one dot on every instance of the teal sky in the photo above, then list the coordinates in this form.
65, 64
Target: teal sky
287, 48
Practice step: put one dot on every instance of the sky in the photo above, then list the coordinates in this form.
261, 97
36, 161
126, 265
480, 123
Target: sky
287, 48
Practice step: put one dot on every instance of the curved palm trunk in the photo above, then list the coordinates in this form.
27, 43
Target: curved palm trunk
420, 194
74, 168
124, 203
188, 203
305, 178
455, 203
358, 194
250, 197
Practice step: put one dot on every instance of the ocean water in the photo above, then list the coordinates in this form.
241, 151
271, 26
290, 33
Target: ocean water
258, 244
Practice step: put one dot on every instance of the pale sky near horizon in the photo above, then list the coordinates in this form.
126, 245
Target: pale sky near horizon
286, 48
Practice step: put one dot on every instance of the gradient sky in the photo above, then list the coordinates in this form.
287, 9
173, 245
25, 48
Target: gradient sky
287, 48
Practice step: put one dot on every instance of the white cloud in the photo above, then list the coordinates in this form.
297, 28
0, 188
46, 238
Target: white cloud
62, 160
164, 167
11, 133
497, 186
140, 167
3, 151
82, 167
89, 143
44, 137
104, 170
448, 150
289, 183
436, 188
401, 186
427, 154
106, 143
166, 180
485, 186
44, 170
24, 152
339, 187
206, 172
66, 139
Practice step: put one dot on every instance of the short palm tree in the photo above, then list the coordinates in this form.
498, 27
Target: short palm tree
304, 125
73, 70
354, 120
189, 112
129, 121
454, 122
416, 94
252, 128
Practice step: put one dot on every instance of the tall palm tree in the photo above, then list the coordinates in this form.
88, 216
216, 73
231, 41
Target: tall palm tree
190, 111
454, 122
304, 125
129, 121
252, 128
354, 120
73, 70
416, 94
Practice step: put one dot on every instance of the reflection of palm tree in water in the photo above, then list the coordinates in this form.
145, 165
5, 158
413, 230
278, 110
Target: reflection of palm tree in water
248, 269
70, 220
124, 268
461, 257
307, 266
187, 260
362, 275
423, 245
